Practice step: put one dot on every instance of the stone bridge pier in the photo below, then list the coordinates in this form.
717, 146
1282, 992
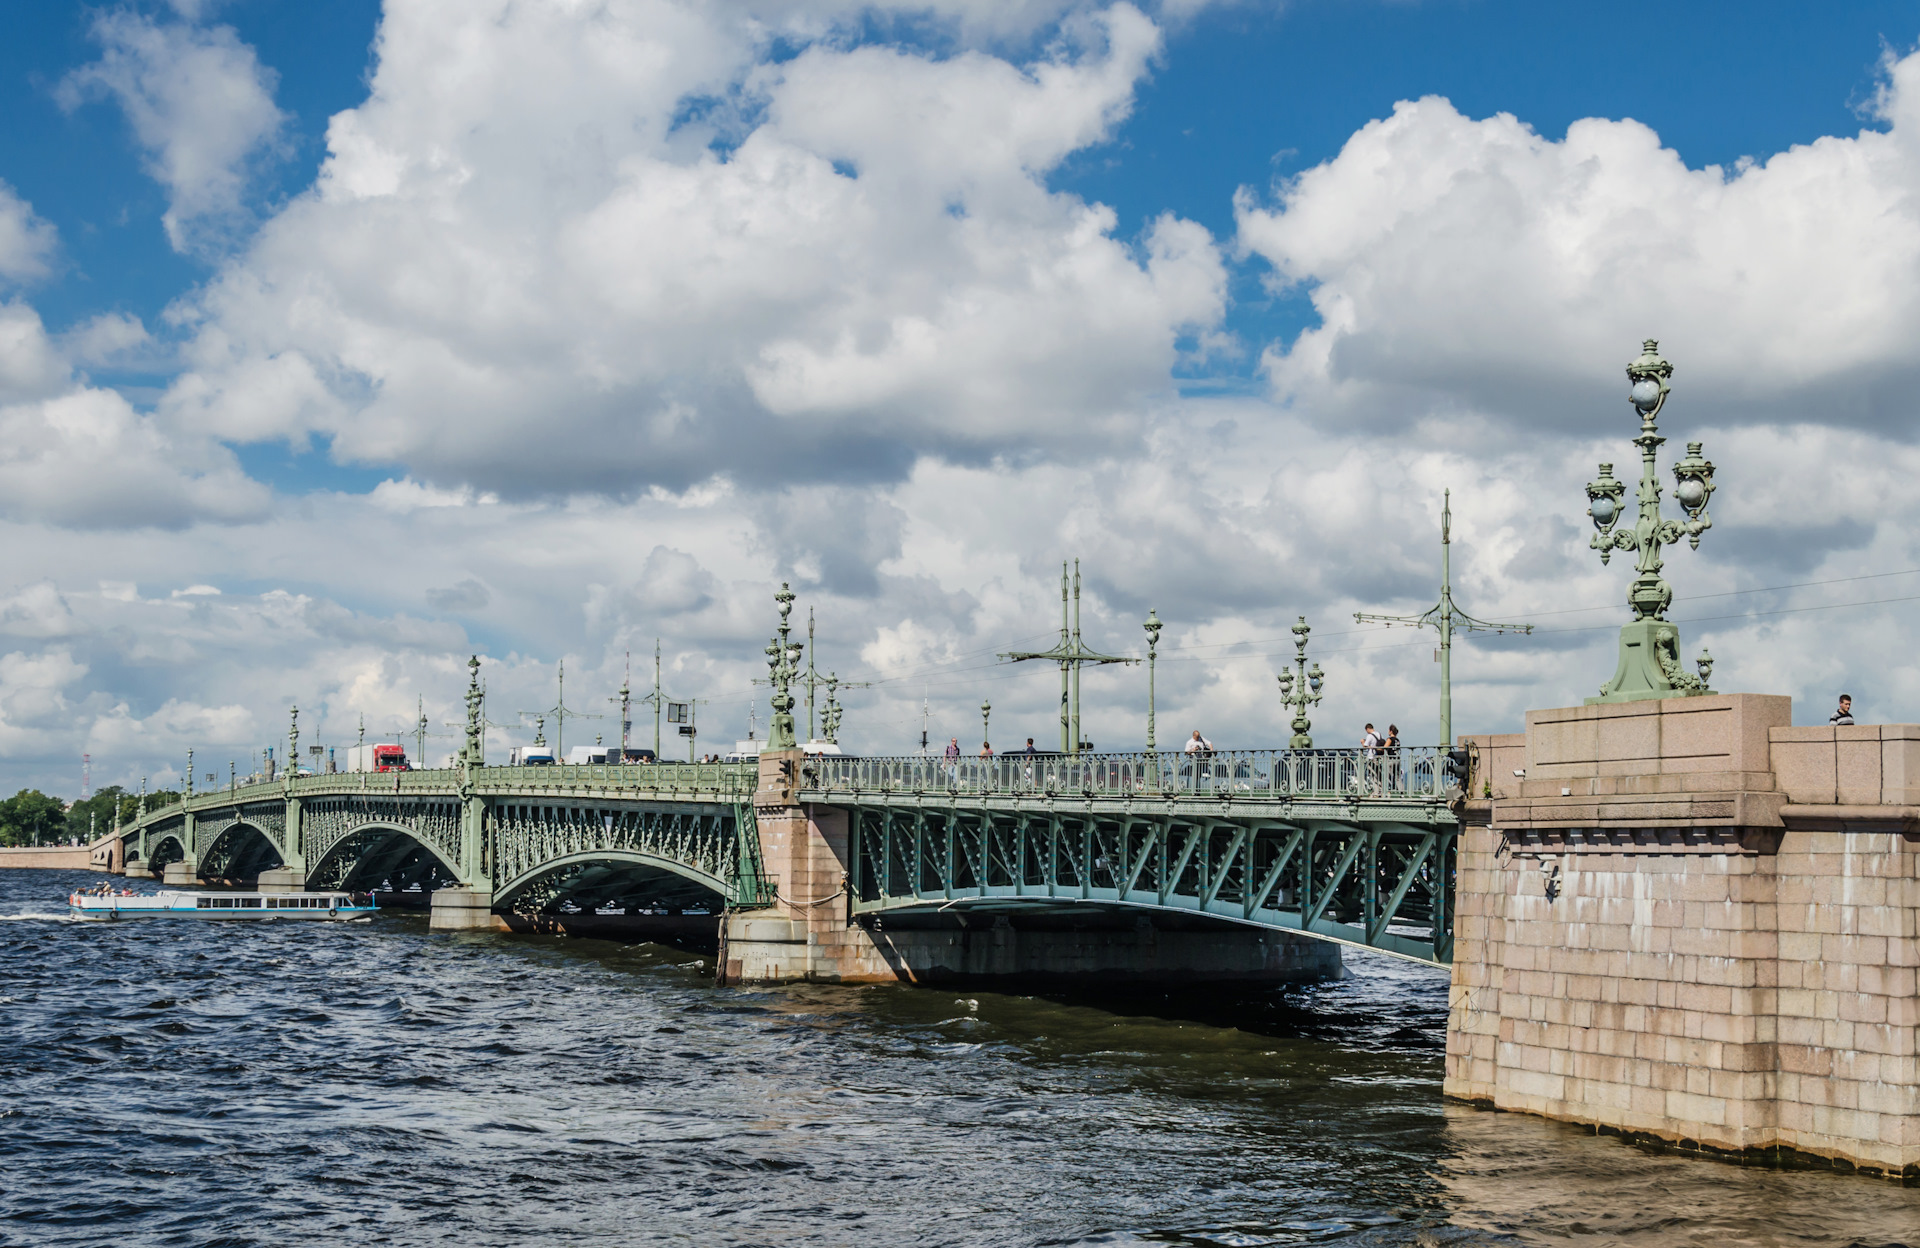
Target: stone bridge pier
1690, 921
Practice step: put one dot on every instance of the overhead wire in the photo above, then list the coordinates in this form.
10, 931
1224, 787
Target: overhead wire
943, 674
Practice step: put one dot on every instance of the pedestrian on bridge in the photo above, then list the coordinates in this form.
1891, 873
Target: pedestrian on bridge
986, 749
1201, 749
1390, 750
1844, 715
1370, 750
953, 760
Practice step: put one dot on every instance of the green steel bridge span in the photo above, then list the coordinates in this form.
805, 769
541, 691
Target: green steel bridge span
1325, 843
1330, 844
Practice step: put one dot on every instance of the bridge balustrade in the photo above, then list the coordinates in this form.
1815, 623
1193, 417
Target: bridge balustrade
1410, 772
736, 780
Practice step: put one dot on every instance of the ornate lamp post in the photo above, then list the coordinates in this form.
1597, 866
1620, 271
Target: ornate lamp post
1650, 646
1304, 693
189, 773
1153, 627
986, 721
783, 659
471, 754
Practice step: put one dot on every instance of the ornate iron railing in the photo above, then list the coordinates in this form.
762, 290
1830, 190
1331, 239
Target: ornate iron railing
1409, 772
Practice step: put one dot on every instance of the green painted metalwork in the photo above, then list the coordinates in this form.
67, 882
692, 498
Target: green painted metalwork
1445, 617
1408, 779
1304, 693
1334, 871
1152, 627
1649, 664
1328, 843
1071, 654
783, 658
668, 834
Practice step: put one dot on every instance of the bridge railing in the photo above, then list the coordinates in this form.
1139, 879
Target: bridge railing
735, 780
1409, 772
725, 779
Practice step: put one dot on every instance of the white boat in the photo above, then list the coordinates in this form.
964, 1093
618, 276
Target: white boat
172, 903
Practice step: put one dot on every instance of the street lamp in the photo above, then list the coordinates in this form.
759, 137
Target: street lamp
1649, 664
986, 712
1153, 627
1304, 693
783, 665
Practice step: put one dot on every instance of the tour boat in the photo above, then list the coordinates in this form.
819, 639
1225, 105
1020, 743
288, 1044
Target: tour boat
173, 903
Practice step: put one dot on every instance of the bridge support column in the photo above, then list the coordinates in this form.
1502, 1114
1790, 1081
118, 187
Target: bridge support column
291, 875
1694, 923
181, 872
464, 910
469, 907
804, 935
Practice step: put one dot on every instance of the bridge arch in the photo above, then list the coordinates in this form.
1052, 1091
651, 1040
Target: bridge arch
240, 851
626, 878
166, 851
381, 852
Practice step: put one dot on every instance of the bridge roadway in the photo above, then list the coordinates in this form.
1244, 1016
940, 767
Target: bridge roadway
1321, 843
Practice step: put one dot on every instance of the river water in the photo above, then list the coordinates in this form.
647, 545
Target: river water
176, 1082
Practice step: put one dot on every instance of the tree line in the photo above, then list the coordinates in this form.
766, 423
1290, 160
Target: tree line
31, 817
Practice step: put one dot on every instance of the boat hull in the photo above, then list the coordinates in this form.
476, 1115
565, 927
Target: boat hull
320, 907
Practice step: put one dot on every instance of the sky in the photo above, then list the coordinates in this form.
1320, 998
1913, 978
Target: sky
341, 342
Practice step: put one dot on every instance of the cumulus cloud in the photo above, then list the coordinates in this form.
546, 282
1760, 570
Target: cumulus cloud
1476, 266
201, 108
112, 338
87, 460
464, 598
81, 456
651, 320
27, 242
816, 269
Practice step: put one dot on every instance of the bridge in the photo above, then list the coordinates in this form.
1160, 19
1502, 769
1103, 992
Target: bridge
1683, 917
1322, 843
1688, 919
535, 839
1325, 843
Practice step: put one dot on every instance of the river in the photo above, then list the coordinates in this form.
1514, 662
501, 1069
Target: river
179, 1082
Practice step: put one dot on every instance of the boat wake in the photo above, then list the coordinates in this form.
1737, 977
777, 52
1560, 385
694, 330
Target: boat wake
36, 916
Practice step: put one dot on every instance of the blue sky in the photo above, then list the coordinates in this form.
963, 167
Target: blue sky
515, 367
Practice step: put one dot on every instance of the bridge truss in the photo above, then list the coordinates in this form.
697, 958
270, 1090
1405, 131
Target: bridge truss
1329, 844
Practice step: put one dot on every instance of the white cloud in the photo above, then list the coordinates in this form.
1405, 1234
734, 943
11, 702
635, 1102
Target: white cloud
111, 338
83, 457
27, 242
1475, 265
201, 108
649, 323
569, 250
87, 460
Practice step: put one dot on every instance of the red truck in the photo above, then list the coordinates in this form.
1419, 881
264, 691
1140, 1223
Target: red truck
383, 757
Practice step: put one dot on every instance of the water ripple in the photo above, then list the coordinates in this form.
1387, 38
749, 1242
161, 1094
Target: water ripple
264, 1084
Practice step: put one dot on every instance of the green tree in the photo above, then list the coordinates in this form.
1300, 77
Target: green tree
30, 817
130, 803
94, 816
